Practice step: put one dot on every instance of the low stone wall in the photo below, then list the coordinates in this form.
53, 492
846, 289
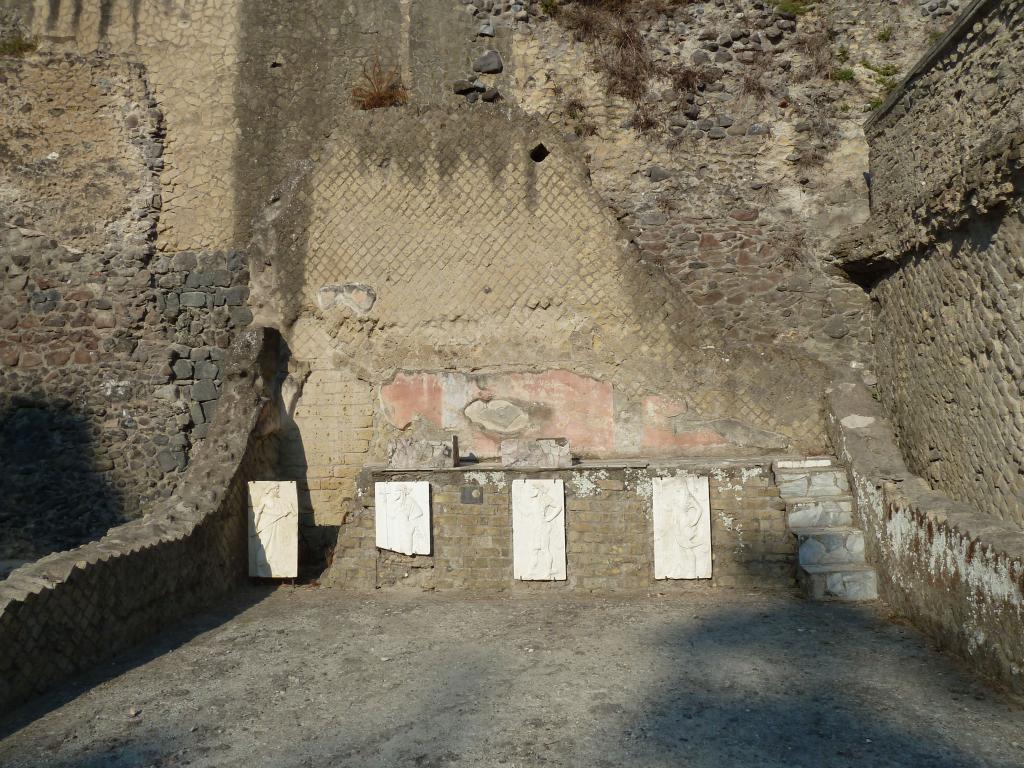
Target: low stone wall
957, 574
68, 611
609, 532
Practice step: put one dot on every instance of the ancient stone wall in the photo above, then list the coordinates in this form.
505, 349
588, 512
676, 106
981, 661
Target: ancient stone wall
751, 160
955, 572
109, 354
609, 530
448, 259
944, 258
939, 489
72, 609
951, 363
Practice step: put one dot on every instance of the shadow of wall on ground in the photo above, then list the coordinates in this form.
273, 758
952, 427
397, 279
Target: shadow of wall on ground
235, 603
54, 494
839, 704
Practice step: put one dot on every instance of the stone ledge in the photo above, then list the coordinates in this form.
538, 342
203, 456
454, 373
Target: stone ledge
594, 464
957, 573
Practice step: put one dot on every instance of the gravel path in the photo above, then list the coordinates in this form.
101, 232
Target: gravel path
311, 677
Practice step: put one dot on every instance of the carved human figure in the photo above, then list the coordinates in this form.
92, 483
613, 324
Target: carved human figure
407, 512
273, 529
546, 511
682, 528
538, 530
403, 517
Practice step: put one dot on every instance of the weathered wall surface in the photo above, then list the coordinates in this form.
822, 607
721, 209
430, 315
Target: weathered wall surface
419, 256
943, 257
951, 355
945, 260
189, 51
956, 573
753, 159
72, 609
609, 530
109, 354
433, 278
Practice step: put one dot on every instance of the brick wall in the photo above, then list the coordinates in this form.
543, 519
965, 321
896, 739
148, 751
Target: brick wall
323, 444
609, 534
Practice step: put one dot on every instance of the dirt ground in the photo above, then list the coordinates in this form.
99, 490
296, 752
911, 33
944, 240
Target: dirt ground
311, 677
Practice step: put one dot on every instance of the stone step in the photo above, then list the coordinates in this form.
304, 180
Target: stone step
801, 483
851, 582
808, 462
820, 512
830, 546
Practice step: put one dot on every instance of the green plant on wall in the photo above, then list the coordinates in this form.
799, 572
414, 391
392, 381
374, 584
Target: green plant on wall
795, 7
885, 74
17, 43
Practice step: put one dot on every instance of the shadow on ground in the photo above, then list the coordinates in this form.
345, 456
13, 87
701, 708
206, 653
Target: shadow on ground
139, 656
840, 690
703, 679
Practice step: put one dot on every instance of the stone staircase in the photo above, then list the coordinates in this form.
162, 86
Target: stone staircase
819, 509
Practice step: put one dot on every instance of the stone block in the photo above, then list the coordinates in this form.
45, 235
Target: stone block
545, 453
193, 299
410, 453
204, 390
182, 369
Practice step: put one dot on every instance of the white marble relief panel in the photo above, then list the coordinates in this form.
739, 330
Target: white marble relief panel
274, 529
403, 517
538, 530
682, 528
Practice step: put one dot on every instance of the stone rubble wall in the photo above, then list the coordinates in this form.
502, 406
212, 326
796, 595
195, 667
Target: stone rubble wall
951, 361
69, 610
609, 533
744, 179
943, 255
955, 572
966, 91
109, 352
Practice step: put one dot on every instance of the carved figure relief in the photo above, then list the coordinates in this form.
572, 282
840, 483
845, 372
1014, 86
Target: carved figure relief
273, 529
403, 517
682, 528
538, 530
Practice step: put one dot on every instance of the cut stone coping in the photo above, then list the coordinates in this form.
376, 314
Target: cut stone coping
671, 463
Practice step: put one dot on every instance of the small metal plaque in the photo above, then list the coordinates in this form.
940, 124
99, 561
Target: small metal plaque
472, 494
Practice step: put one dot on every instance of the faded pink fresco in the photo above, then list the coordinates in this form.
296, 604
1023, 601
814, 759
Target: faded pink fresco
411, 395
659, 436
559, 404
